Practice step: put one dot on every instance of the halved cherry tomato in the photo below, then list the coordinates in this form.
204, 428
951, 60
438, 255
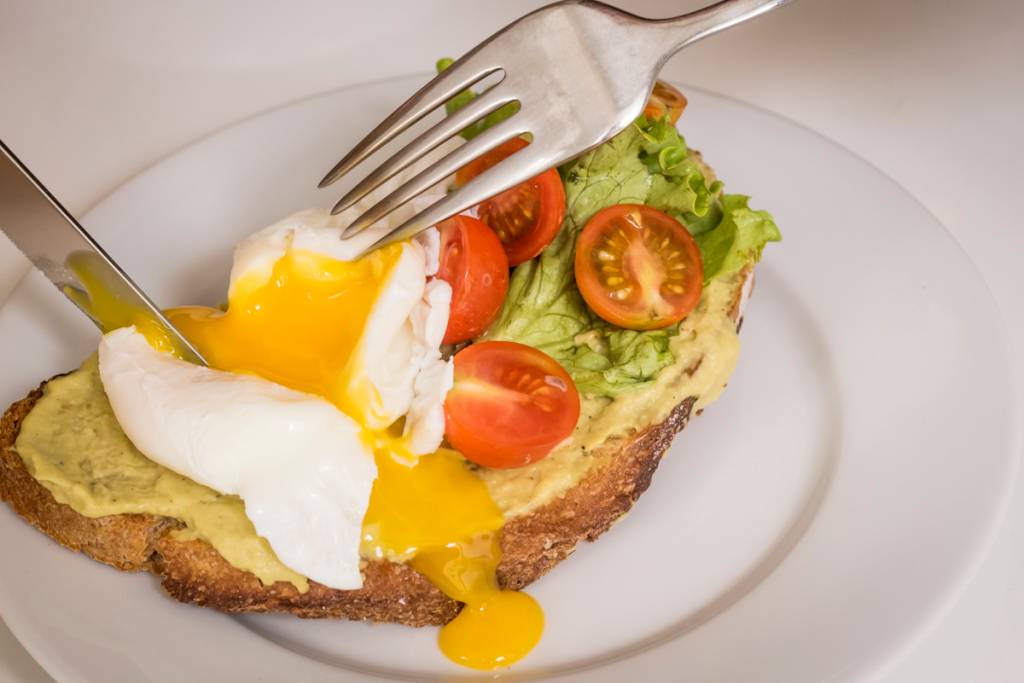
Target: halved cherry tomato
510, 404
526, 217
665, 100
473, 262
638, 267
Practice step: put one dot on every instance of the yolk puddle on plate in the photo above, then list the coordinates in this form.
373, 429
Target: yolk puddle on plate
300, 328
441, 513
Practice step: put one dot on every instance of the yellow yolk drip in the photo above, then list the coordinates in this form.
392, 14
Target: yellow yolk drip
302, 328
102, 303
440, 514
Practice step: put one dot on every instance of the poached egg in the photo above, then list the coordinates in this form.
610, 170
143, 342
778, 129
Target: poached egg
310, 329
294, 458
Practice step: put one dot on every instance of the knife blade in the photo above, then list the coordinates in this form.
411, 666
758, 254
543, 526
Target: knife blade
72, 260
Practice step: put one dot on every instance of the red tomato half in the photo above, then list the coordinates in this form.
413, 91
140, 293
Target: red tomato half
474, 264
665, 100
526, 217
510, 404
638, 267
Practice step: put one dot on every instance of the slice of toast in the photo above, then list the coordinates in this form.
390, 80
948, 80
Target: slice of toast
193, 571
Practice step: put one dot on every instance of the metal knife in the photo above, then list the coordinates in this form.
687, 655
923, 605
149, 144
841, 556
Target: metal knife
73, 261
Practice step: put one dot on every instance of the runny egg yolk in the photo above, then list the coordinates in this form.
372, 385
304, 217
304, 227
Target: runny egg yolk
440, 514
299, 328
302, 328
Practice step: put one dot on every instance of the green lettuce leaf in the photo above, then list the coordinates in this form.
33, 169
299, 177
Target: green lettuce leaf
610, 174
622, 359
701, 224
543, 307
738, 239
678, 186
662, 147
681, 195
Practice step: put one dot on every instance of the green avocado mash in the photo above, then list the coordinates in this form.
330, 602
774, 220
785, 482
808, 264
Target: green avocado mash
72, 444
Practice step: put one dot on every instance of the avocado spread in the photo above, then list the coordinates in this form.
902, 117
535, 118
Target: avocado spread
72, 444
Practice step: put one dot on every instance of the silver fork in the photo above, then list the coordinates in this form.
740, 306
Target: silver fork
581, 72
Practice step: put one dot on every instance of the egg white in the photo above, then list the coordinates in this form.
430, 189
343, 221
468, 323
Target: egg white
295, 459
401, 339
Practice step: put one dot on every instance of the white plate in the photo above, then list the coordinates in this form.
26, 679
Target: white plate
808, 527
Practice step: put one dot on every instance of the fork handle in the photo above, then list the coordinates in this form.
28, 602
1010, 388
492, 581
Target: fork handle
678, 32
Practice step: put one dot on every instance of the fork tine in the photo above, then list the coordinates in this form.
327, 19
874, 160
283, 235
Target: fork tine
459, 76
511, 171
450, 126
438, 171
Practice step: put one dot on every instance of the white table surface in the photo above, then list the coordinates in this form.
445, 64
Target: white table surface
932, 92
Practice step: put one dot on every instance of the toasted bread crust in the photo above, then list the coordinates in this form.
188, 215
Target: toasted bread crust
536, 542
193, 571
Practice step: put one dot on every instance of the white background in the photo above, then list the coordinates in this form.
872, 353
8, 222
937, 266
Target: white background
932, 92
